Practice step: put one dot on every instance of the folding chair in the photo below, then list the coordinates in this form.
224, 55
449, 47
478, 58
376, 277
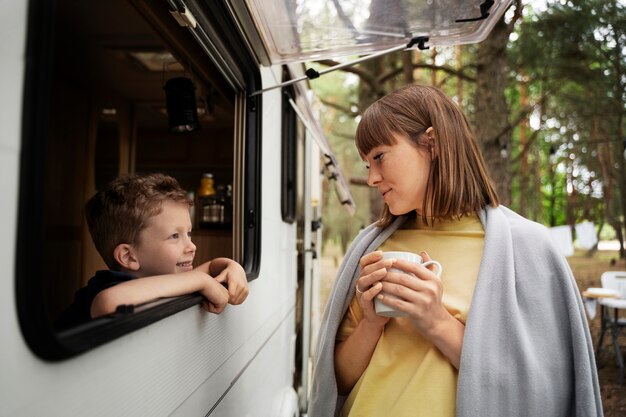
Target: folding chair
615, 280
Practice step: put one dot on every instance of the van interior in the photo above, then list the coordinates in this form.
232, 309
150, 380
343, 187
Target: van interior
109, 115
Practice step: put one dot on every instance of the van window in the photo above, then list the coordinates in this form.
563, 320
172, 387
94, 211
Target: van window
288, 155
97, 77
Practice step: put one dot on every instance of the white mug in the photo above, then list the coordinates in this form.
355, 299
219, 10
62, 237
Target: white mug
383, 309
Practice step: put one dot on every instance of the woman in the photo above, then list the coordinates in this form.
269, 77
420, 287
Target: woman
502, 333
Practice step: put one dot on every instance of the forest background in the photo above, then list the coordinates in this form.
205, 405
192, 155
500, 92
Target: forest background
545, 94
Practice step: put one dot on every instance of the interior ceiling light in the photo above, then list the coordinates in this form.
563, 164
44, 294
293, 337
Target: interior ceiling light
155, 61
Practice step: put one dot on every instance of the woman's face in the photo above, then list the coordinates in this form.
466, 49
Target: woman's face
400, 173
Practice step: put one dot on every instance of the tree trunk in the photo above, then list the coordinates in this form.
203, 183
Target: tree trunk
490, 118
433, 61
459, 79
552, 196
523, 165
621, 150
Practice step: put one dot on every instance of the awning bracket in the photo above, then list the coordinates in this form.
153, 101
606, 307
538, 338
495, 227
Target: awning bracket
484, 12
311, 73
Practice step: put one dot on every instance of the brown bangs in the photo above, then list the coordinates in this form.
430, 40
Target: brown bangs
377, 127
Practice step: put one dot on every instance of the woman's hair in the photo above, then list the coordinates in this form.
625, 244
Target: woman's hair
458, 182
120, 211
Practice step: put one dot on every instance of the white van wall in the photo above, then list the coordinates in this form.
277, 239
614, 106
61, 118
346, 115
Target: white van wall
12, 347
192, 363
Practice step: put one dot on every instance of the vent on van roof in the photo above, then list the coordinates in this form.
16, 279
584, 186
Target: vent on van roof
305, 30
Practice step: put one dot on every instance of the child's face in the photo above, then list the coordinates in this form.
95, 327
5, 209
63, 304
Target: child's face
165, 245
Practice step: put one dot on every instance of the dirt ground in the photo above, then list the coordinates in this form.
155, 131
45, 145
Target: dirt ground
587, 271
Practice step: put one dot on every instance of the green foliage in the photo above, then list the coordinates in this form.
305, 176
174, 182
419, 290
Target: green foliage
570, 61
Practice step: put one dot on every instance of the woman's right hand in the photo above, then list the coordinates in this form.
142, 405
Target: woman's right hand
353, 355
368, 285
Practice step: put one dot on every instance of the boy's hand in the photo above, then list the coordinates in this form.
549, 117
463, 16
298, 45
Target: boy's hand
216, 296
232, 274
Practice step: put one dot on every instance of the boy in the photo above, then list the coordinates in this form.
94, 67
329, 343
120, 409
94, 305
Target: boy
141, 227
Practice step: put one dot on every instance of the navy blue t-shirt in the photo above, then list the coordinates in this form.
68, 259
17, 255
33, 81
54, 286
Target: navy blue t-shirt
80, 310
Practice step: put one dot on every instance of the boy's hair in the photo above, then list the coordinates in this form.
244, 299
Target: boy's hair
120, 211
458, 182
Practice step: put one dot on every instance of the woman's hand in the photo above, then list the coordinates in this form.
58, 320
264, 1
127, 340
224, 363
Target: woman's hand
373, 269
353, 354
420, 297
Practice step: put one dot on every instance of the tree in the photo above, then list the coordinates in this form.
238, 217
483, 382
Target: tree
550, 124
577, 86
447, 68
491, 123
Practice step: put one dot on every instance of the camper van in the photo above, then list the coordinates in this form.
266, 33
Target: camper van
202, 91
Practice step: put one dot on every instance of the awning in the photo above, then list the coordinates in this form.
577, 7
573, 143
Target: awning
332, 170
307, 30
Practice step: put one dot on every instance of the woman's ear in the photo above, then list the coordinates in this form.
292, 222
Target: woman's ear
430, 135
430, 141
125, 257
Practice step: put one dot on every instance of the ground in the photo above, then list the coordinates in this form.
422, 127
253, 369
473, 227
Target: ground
587, 271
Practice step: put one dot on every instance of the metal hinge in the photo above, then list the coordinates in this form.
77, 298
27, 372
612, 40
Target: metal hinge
184, 17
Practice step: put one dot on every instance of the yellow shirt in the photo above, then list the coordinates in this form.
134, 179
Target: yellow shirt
407, 375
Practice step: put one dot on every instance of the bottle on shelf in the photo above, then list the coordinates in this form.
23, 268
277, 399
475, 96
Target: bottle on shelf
205, 200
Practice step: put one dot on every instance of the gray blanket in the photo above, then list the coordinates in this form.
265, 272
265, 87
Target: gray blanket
527, 350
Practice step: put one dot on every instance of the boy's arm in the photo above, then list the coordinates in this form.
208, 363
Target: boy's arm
140, 290
227, 271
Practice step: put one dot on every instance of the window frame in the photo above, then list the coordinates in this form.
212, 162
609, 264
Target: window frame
35, 323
